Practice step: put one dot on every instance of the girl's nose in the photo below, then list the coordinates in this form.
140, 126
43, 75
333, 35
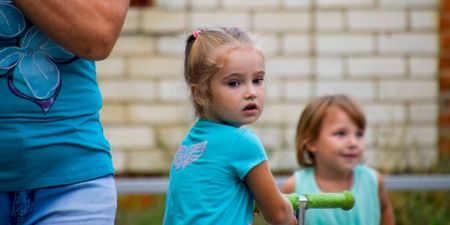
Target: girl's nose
250, 91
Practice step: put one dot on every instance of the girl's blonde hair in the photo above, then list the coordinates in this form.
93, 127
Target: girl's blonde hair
310, 123
205, 53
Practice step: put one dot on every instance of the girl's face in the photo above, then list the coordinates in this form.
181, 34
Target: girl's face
340, 144
238, 89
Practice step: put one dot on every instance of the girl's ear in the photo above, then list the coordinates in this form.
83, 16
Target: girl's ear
198, 95
310, 145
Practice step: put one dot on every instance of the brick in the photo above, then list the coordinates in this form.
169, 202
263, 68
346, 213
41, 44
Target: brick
408, 90
444, 83
149, 162
445, 42
424, 20
345, 3
280, 114
296, 4
171, 5
432, 4
409, 43
155, 67
157, 114
161, 21
329, 67
361, 90
444, 22
221, 18
289, 67
297, 90
444, 64
376, 20
271, 137
112, 67
131, 24
112, 114
134, 45
172, 45
444, 119
130, 138
173, 90
273, 89
127, 90
329, 20
270, 44
385, 113
344, 44
424, 67
204, 4
376, 67
251, 4
444, 142
283, 160
423, 113
296, 44
282, 21
171, 137
119, 160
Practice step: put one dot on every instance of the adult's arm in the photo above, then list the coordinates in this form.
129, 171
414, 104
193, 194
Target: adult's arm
87, 28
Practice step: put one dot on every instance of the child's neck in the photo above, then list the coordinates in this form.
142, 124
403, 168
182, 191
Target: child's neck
332, 181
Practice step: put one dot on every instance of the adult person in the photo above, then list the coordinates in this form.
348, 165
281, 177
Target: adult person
55, 163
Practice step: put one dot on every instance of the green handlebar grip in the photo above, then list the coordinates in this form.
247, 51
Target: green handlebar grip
344, 200
293, 199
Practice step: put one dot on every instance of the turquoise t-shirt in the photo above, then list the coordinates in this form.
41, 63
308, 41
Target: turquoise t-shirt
207, 176
50, 132
365, 189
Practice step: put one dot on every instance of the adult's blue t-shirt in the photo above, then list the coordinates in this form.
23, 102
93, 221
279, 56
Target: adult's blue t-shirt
50, 132
207, 176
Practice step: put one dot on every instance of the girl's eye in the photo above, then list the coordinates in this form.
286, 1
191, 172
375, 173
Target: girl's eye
258, 80
233, 83
360, 134
340, 133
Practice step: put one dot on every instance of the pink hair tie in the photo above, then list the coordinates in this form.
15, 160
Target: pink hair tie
195, 33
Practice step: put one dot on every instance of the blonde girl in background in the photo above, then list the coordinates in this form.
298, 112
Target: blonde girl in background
329, 148
220, 168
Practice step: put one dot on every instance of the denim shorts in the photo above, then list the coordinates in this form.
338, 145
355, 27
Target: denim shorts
93, 202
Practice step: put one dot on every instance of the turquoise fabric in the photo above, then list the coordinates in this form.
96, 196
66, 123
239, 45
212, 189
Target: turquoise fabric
365, 189
207, 176
50, 132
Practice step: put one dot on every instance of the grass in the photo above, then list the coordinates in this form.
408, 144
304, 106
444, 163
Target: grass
431, 208
410, 207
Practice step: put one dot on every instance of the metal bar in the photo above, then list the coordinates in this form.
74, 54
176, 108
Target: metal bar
425, 182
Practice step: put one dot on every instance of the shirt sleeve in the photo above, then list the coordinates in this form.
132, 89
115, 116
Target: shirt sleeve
247, 153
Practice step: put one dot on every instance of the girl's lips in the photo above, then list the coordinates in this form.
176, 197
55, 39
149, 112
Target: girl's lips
350, 156
250, 108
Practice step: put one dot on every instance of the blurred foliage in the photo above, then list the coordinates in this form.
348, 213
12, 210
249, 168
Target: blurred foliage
410, 207
428, 208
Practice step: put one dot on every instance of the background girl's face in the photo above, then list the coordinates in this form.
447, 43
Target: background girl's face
238, 89
340, 143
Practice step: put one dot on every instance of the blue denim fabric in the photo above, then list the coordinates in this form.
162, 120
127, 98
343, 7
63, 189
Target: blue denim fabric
92, 202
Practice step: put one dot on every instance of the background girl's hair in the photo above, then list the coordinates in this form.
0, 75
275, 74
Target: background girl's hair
310, 123
204, 56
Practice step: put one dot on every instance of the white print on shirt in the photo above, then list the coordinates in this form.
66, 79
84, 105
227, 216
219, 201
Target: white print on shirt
188, 154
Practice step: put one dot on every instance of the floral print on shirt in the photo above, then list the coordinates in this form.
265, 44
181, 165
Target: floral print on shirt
29, 59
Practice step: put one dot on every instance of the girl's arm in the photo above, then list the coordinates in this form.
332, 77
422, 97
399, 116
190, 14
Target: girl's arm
387, 212
274, 207
87, 28
289, 185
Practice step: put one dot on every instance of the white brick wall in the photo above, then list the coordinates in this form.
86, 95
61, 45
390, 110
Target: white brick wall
381, 52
